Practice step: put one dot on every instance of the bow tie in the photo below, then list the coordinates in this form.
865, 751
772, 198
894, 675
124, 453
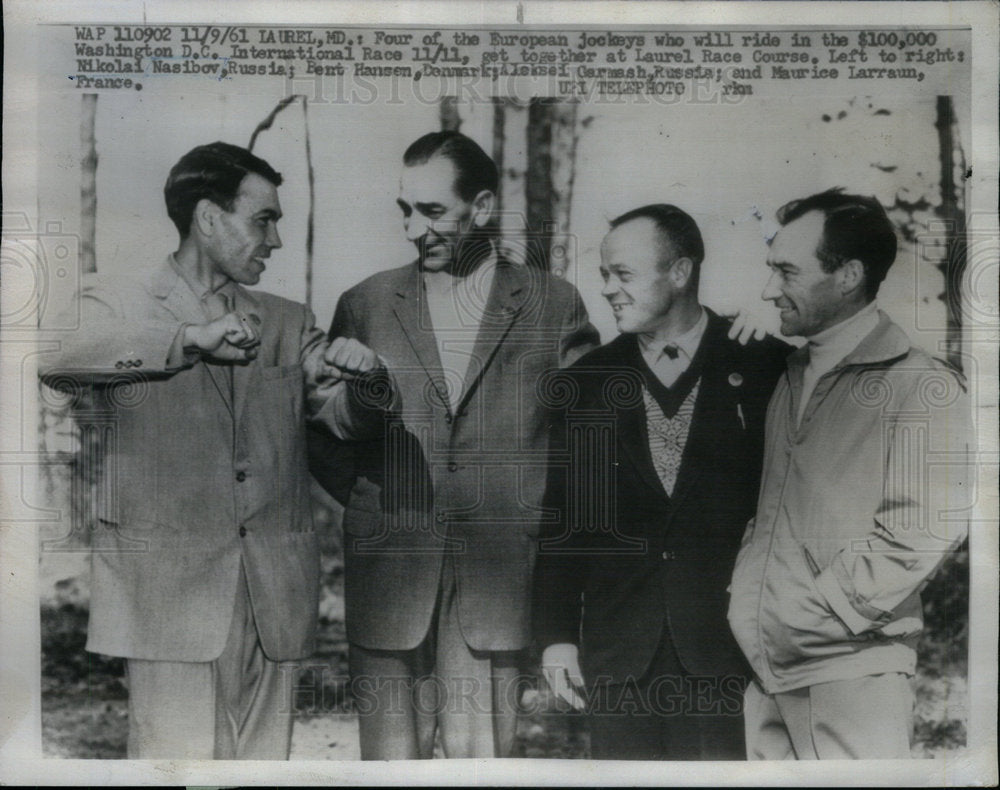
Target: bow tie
671, 350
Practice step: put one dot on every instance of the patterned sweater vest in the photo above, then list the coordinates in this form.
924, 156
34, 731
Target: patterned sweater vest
668, 435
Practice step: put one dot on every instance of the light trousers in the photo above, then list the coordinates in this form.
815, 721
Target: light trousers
861, 719
404, 696
238, 707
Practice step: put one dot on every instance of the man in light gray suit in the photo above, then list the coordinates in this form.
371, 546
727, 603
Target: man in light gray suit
205, 560
442, 514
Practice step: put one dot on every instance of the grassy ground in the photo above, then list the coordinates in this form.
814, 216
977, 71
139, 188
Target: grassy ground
84, 699
84, 702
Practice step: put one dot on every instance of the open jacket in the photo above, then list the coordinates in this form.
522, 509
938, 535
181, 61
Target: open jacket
463, 482
620, 560
196, 478
859, 504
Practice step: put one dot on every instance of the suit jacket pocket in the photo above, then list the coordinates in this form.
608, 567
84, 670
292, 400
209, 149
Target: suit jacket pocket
280, 371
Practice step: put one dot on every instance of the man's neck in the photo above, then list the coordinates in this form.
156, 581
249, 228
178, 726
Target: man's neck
842, 322
198, 267
468, 264
681, 318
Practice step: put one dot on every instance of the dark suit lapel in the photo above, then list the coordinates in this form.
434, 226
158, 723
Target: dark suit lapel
180, 301
714, 411
633, 431
410, 309
511, 285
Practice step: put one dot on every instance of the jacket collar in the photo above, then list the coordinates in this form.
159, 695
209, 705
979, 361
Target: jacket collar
166, 281
884, 343
511, 288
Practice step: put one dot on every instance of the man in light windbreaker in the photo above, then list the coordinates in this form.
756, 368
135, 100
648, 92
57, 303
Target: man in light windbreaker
862, 497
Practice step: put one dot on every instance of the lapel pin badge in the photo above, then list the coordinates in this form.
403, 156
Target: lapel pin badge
735, 380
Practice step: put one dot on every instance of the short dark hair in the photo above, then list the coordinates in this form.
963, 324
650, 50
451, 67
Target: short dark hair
475, 170
212, 171
675, 226
854, 228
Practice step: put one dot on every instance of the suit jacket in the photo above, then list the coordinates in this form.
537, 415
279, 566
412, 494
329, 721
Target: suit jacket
465, 482
619, 559
197, 478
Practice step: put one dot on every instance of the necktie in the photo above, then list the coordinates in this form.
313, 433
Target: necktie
671, 350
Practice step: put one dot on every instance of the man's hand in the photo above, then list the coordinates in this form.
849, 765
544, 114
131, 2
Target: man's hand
748, 325
342, 359
232, 338
561, 668
346, 358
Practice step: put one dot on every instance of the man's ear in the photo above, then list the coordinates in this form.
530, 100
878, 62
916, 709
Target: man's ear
851, 276
482, 208
205, 216
680, 273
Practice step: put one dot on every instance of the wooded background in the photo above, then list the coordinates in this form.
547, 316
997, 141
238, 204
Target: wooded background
566, 169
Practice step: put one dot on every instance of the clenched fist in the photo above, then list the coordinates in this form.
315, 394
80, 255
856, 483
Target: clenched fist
232, 338
343, 359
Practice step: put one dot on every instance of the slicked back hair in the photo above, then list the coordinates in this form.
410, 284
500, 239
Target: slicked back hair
855, 227
474, 170
212, 172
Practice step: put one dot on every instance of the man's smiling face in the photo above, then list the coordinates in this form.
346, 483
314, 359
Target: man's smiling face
435, 217
635, 265
807, 296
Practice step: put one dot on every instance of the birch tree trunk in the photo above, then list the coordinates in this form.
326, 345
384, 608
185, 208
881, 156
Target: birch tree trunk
88, 184
952, 211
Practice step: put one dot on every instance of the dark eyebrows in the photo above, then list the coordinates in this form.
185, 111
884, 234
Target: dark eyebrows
431, 208
268, 213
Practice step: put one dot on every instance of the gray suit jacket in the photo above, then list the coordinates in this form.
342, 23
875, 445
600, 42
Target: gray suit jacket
197, 478
463, 481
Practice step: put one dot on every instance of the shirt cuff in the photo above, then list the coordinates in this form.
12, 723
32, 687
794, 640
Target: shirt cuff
177, 356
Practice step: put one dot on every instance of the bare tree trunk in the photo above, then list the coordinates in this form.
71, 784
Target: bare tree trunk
88, 184
552, 137
311, 218
538, 182
562, 252
451, 121
513, 174
499, 139
952, 211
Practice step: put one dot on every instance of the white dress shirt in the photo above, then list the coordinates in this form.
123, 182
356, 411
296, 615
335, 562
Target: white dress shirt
668, 370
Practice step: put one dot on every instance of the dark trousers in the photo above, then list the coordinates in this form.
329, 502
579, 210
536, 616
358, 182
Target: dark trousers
668, 714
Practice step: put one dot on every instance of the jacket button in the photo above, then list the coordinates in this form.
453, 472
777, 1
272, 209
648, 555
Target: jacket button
668, 555
138, 363
447, 419
440, 517
241, 476
243, 531
452, 467
119, 364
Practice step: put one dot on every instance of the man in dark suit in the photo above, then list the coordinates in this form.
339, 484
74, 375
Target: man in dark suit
442, 516
655, 462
